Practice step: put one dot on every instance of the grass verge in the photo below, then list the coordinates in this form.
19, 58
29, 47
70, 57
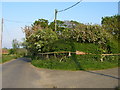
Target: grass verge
78, 62
7, 57
83, 62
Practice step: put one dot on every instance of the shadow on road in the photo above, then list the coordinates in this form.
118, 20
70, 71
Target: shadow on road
25, 59
103, 74
74, 58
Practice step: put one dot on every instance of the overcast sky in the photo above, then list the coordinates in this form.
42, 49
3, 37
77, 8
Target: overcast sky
19, 14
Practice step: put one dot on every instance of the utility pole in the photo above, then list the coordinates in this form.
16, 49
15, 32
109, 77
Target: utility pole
1, 38
55, 19
62, 11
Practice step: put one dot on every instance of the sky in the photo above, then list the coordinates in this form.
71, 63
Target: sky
19, 14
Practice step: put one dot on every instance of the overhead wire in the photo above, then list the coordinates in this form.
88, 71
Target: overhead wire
32, 22
15, 21
70, 6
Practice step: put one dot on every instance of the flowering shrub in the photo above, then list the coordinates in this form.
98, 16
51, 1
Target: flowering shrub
41, 40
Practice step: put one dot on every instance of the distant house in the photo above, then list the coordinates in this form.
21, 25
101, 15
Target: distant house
5, 51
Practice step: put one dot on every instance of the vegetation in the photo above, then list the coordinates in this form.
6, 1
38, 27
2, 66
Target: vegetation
112, 25
15, 45
6, 57
40, 41
85, 62
73, 36
13, 53
16, 50
78, 62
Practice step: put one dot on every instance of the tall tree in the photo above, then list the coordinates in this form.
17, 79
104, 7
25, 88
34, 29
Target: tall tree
112, 25
43, 23
15, 44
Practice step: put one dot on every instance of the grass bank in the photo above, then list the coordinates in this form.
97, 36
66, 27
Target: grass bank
6, 57
83, 62
78, 62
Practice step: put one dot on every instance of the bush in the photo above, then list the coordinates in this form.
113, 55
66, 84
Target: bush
113, 47
11, 51
41, 41
88, 47
61, 45
21, 52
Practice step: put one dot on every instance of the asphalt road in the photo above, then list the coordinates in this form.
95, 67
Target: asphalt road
20, 73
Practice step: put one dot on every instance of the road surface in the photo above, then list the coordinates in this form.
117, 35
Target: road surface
20, 73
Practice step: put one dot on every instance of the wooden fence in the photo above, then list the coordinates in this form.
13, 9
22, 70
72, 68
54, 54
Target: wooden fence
77, 53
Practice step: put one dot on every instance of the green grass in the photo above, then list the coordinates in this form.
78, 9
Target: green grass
78, 62
93, 62
6, 58
83, 62
54, 64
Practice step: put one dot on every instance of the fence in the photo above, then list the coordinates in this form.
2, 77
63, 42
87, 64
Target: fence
55, 54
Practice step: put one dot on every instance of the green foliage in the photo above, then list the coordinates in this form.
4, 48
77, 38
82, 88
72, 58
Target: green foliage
61, 45
82, 62
11, 51
113, 46
55, 64
42, 22
45, 40
85, 33
64, 45
21, 52
24, 44
112, 25
6, 58
73, 36
77, 62
88, 47
41, 41
93, 61
88, 34
15, 44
